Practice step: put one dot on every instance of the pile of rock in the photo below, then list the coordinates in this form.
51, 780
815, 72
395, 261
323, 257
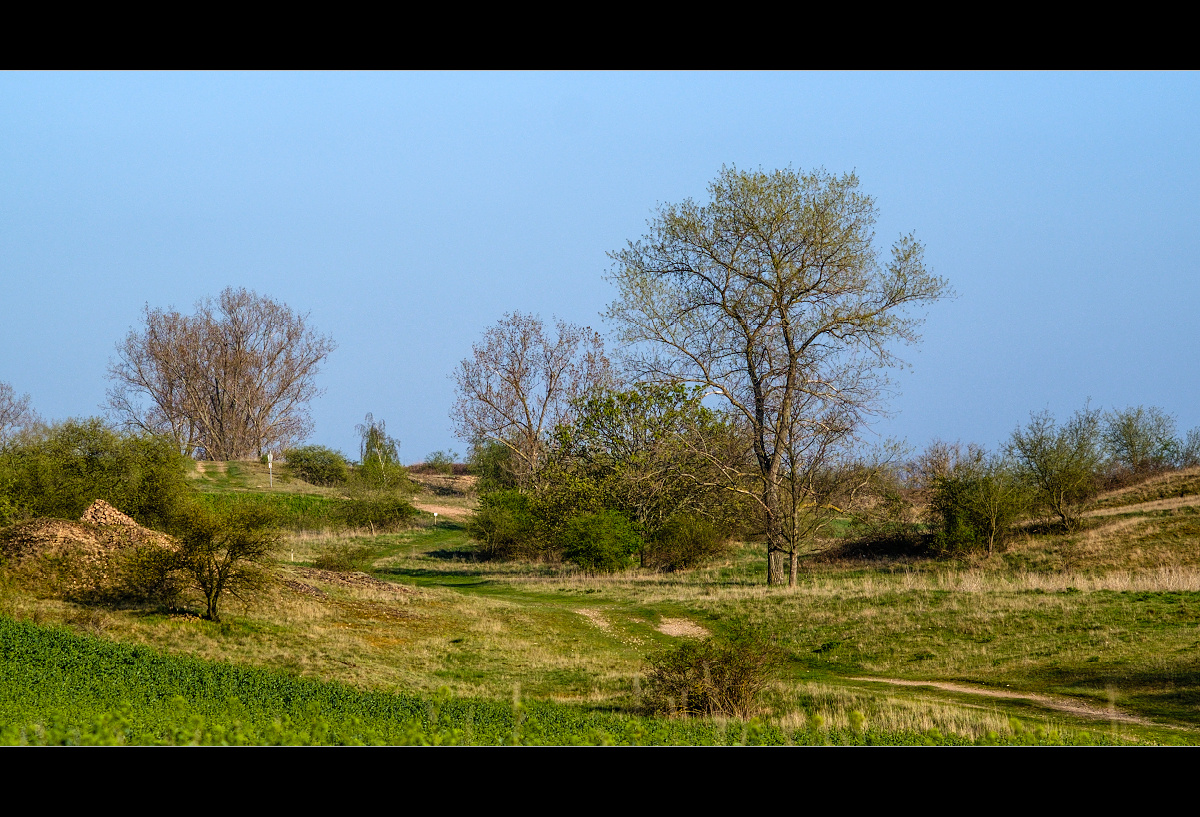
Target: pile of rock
104, 515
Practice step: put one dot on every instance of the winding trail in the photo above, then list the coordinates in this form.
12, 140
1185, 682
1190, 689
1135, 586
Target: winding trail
1071, 706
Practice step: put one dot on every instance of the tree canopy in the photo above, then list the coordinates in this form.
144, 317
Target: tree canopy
521, 382
229, 382
773, 296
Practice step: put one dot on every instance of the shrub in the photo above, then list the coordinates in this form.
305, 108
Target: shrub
1140, 440
713, 676
975, 505
375, 509
60, 470
492, 463
684, 541
225, 552
600, 542
151, 573
1062, 463
318, 465
441, 462
503, 526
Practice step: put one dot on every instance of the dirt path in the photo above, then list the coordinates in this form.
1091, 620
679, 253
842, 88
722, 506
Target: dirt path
1153, 505
1069, 705
458, 514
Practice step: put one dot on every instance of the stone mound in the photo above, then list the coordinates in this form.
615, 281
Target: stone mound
61, 558
101, 513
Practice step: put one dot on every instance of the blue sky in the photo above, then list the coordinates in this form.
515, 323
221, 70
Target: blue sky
406, 212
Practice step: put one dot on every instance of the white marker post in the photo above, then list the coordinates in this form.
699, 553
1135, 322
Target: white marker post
270, 471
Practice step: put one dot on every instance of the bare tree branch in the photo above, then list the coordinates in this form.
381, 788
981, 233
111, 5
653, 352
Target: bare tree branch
229, 382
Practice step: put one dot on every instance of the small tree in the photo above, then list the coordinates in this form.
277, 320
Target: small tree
600, 542
1141, 439
379, 463
652, 453
976, 504
521, 382
1060, 463
225, 551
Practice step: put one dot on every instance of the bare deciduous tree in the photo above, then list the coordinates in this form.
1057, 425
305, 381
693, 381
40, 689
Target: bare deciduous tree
14, 411
228, 382
773, 296
520, 383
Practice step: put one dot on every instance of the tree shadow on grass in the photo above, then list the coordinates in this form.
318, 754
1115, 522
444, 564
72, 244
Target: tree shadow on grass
1171, 693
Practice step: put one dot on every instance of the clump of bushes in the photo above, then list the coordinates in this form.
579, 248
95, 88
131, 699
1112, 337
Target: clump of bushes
601, 542
58, 471
684, 542
713, 676
504, 526
318, 465
378, 510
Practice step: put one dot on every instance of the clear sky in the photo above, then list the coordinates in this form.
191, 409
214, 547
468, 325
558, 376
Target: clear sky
406, 212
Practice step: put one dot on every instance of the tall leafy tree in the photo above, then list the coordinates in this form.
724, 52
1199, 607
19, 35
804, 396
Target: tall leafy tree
773, 295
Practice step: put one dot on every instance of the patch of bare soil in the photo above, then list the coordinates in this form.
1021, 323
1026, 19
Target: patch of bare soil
1068, 705
348, 579
595, 618
681, 628
431, 505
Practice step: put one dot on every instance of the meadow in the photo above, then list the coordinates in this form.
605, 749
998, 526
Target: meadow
1081, 638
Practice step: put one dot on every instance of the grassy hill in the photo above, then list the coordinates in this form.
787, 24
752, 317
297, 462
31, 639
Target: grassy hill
1089, 633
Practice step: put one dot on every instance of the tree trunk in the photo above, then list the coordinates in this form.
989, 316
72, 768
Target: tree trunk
774, 530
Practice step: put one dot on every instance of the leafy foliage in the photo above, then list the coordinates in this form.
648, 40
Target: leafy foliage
225, 552
318, 465
379, 458
1062, 463
492, 463
975, 505
441, 462
683, 542
601, 542
504, 526
772, 294
60, 470
1140, 440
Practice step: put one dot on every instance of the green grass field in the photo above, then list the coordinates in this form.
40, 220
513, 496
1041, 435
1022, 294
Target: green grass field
1084, 638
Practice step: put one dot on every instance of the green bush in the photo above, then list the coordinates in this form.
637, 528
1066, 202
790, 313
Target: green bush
975, 505
374, 509
683, 542
441, 462
492, 463
318, 465
60, 470
150, 573
504, 526
713, 676
600, 542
